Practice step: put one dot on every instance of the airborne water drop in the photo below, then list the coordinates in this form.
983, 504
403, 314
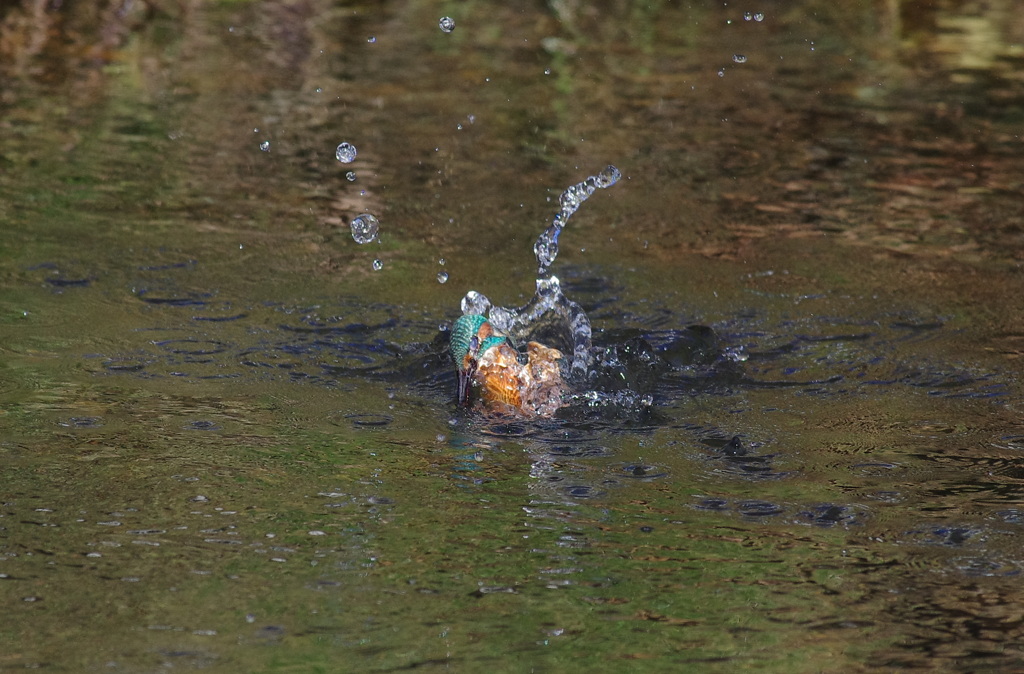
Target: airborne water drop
345, 153
365, 228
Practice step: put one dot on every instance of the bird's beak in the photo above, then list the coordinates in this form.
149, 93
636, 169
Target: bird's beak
466, 380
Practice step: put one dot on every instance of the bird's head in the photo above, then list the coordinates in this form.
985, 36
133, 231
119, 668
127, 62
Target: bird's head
472, 337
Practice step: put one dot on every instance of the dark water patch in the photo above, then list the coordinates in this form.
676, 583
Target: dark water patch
986, 566
640, 471
202, 425
694, 345
347, 359
61, 276
192, 347
737, 458
949, 536
64, 282
876, 469
369, 420
312, 324
571, 434
82, 422
594, 292
173, 297
917, 327
832, 360
270, 634
484, 590
577, 451
832, 514
221, 319
751, 468
1011, 515
126, 364
749, 508
624, 408
509, 429
843, 625
713, 504
581, 491
759, 509
854, 337
183, 264
732, 447
1010, 468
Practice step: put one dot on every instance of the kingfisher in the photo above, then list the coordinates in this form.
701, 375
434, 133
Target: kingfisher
488, 361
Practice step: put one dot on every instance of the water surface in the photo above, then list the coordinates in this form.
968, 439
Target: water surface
230, 444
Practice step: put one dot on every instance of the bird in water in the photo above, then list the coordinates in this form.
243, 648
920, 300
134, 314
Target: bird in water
487, 361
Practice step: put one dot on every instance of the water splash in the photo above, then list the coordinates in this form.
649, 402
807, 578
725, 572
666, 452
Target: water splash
549, 311
546, 247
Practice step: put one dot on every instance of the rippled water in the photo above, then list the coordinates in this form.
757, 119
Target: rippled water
230, 444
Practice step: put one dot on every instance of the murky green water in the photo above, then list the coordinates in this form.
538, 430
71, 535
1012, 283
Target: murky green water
229, 444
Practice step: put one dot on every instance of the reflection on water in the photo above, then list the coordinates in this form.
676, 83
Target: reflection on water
230, 444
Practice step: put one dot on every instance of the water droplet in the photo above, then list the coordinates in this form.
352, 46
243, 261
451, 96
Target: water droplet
501, 318
377, 265
345, 153
351, 176
446, 24
546, 247
721, 73
265, 146
547, 71
759, 17
442, 277
739, 58
371, 39
475, 303
441, 262
607, 177
364, 228
747, 16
